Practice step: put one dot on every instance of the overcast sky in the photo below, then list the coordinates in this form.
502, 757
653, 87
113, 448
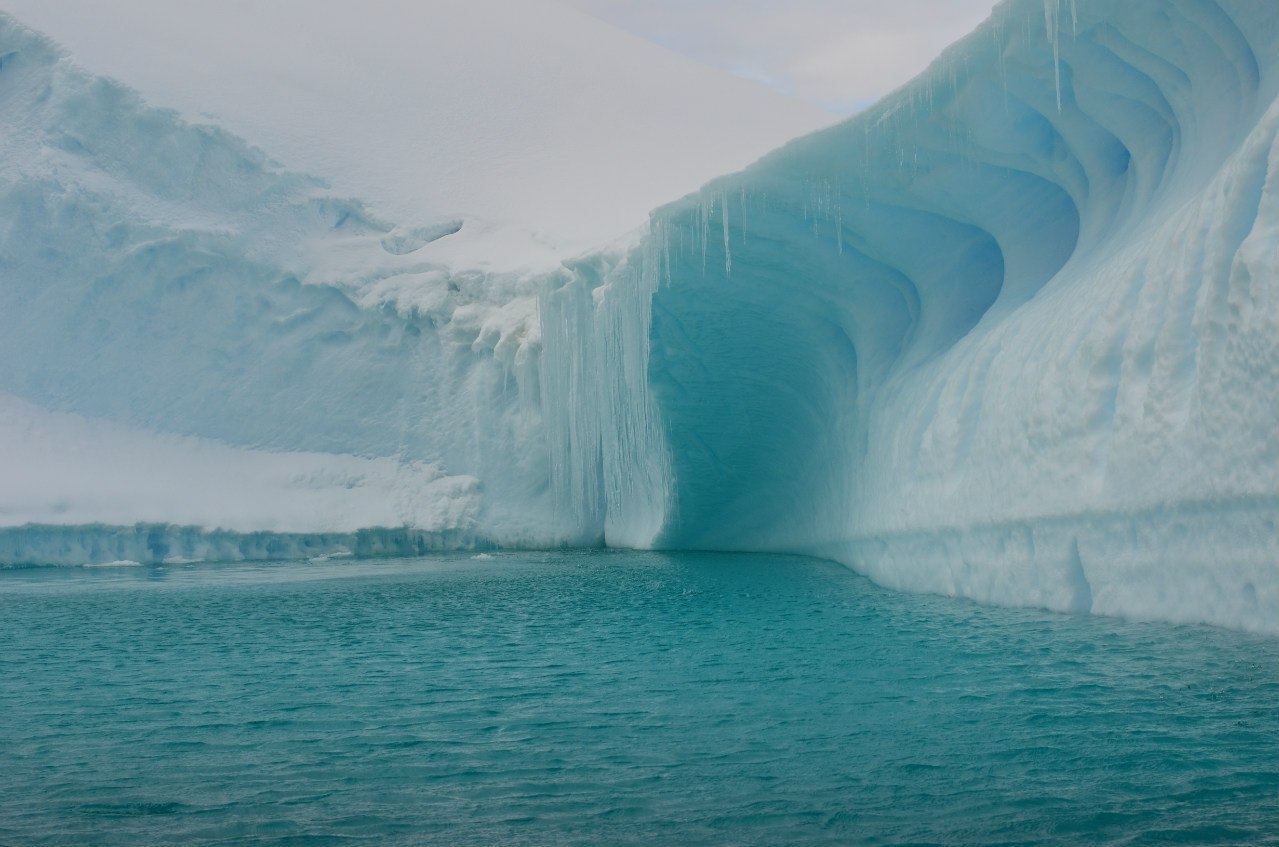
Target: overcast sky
841, 55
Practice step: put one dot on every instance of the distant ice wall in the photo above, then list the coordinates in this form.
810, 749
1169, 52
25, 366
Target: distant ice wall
162, 281
1012, 334
99, 544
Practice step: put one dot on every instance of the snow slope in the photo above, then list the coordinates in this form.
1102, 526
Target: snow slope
1012, 334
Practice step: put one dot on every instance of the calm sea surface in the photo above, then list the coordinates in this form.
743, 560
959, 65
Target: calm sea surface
611, 698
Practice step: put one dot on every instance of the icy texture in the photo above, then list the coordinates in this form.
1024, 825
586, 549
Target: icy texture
165, 286
195, 335
1012, 334
109, 545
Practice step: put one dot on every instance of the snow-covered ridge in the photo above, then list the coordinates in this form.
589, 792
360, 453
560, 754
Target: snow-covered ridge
513, 116
164, 281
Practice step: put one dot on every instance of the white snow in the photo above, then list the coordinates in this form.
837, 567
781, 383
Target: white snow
64, 469
170, 278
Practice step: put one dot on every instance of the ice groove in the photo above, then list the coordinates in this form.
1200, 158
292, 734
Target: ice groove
1110, 168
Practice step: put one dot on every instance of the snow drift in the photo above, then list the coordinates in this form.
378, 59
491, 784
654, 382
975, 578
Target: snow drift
1012, 334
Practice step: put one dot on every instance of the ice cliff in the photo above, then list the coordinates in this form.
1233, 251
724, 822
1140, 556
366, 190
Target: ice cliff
197, 336
1011, 334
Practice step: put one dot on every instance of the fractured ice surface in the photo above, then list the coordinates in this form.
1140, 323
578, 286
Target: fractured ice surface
1011, 334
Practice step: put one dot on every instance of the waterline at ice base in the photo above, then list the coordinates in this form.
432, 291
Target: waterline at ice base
1010, 334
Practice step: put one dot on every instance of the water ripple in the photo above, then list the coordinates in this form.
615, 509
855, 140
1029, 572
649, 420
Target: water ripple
605, 698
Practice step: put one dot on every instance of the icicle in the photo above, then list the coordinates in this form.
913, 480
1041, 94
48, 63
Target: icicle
728, 253
1052, 23
706, 230
1001, 45
666, 238
839, 214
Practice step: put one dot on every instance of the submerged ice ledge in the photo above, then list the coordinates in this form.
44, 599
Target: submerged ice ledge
1187, 562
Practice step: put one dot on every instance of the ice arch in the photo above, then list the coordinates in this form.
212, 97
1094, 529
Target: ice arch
1010, 334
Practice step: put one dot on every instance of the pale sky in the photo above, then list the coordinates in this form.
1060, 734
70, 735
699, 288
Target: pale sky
840, 55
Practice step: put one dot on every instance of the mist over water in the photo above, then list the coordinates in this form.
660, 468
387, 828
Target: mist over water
611, 698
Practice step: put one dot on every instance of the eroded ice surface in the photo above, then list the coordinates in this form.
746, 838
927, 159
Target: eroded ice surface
1011, 334
197, 334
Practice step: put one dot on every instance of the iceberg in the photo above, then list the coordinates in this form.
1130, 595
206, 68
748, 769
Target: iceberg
197, 336
1011, 334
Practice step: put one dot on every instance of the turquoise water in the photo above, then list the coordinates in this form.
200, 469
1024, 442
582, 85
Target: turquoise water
611, 698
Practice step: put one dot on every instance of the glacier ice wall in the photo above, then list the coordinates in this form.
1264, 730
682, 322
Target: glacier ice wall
160, 280
1012, 334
